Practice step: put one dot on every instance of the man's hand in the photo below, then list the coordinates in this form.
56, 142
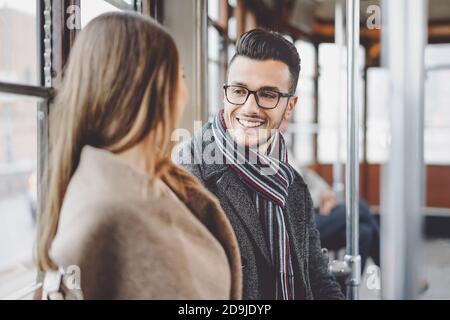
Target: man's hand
327, 202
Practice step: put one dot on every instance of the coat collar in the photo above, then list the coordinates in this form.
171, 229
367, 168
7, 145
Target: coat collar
201, 142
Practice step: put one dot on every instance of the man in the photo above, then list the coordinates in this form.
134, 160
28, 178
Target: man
241, 158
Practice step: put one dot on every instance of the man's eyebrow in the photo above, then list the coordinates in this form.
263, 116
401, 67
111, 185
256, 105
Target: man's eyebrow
263, 88
237, 83
270, 88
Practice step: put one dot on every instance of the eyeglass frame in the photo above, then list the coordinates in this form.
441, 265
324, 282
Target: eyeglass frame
254, 92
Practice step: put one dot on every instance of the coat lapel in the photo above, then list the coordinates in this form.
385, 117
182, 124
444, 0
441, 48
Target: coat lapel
296, 226
231, 188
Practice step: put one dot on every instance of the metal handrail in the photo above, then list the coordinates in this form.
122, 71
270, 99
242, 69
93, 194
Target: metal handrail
351, 266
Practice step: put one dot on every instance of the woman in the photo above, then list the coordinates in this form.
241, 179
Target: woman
136, 225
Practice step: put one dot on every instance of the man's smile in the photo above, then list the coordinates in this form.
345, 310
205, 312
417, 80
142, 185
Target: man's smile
250, 123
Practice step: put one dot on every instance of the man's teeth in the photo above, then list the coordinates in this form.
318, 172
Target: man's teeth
249, 124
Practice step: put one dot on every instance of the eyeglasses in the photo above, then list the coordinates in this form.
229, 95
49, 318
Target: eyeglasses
265, 98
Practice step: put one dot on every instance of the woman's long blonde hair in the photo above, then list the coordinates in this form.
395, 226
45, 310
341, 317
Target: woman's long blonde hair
119, 89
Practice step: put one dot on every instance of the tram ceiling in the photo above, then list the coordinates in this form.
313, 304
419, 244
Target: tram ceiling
314, 19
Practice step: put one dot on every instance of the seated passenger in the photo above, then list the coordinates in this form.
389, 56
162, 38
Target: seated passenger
331, 219
136, 225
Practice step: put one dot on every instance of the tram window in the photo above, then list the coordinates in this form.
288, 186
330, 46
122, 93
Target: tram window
302, 125
378, 126
329, 94
437, 114
214, 88
232, 25
214, 63
18, 51
220, 50
18, 185
231, 50
93, 8
437, 101
213, 9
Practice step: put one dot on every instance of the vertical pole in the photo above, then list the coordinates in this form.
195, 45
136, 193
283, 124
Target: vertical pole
352, 166
316, 105
339, 39
45, 74
402, 198
44, 35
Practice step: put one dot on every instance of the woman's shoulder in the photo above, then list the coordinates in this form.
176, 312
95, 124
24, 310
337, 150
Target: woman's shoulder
93, 208
103, 222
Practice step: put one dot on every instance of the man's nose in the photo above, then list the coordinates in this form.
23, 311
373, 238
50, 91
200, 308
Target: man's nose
250, 106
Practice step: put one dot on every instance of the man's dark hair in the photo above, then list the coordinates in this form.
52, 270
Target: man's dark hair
261, 44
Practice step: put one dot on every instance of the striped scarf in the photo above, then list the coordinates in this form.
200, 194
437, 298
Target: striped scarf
269, 177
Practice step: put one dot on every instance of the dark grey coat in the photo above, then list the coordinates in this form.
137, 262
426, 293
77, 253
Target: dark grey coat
310, 267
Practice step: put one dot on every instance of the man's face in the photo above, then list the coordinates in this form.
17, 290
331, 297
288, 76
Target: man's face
249, 124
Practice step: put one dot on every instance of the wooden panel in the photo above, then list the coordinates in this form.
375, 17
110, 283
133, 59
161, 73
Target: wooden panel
438, 186
239, 13
437, 183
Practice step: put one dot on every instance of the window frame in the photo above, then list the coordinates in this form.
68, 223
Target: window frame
53, 45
